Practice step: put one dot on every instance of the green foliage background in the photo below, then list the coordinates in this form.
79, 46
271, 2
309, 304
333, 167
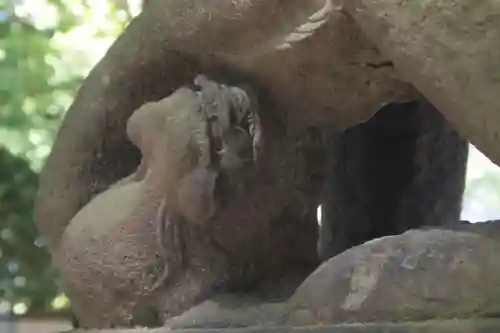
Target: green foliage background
46, 49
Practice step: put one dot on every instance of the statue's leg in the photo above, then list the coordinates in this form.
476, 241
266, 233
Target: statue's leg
448, 50
403, 169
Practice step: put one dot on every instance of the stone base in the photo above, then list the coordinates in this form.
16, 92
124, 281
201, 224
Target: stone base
436, 326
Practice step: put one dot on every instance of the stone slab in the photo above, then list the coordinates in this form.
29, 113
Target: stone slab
436, 326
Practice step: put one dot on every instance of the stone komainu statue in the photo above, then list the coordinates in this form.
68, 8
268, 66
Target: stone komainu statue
316, 68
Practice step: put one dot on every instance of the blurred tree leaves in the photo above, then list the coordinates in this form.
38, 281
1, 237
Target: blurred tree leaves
25, 97
46, 49
482, 192
25, 273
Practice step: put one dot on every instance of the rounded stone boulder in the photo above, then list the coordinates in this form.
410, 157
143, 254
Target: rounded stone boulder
418, 275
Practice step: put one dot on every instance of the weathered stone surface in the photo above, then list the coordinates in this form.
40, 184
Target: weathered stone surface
449, 50
430, 43
126, 260
419, 275
229, 311
446, 326
179, 39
